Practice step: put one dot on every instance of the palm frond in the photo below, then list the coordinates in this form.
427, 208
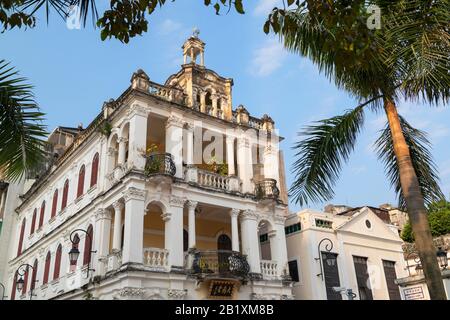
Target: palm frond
421, 158
21, 128
320, 155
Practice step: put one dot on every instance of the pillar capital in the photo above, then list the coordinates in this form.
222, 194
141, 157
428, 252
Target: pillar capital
137, 109
234, 213
191, 204
177, 201
249, 215
174, 121
118, 205
102, 214
133, 193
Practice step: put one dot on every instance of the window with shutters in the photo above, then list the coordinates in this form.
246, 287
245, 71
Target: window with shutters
264, 238
33, 222
390, 276
81, 174
41, 215
88, 246
331, 275
293, 270
22, 232
57, 268
320, 223
48, 259
94, 170
65, 195
362, 278
292, 228
54, 203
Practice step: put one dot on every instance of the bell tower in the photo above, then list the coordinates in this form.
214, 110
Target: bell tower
194, 47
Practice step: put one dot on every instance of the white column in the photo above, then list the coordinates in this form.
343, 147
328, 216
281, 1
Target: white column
103, 229
174, 142
190, 144
134, 226
138, 136
202, 58
234, 213
191, 223
278, 244
122, 150
271, 161
245, 165
117, 236
230, 155
174, 232
250, 241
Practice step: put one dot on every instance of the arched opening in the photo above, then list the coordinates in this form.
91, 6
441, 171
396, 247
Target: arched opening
81, 174
224, 252
48, 259
113, 151
154, 237
125, 138
94, 170
65, 195
57, 268
264, 229
88, 246
208, 103
42, 214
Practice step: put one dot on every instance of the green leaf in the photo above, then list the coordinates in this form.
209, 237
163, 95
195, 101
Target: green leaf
239, 7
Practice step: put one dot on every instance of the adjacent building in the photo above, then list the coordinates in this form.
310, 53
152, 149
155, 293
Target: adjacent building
164, 195
347, 254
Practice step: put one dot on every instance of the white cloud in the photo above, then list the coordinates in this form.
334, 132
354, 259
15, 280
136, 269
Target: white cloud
268, 58
265, 6
169, 26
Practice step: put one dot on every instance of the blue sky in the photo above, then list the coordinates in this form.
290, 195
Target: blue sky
74, 72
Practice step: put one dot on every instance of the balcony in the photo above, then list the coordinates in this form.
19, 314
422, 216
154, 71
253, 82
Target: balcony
269, 269
267, 189
223, 263
160, 164
212, 180
156, 259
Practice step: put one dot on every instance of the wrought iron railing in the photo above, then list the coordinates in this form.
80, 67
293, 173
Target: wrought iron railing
219, 262
160, 163
267, 189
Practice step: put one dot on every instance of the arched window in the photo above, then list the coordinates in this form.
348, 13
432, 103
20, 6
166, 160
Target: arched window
57, 269
33, 222
80, 188
65, 195
94, 170
41, 215
48, 259
22, 232
88, 246
55, 203
33, 275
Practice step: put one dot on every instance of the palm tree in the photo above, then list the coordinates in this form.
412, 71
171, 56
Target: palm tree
22, 148
406, 59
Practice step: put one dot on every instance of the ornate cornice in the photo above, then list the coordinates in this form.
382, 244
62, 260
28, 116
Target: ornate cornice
133, 193
176, 294
131, 292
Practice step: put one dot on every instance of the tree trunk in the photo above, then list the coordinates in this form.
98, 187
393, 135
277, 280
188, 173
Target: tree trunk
417, 212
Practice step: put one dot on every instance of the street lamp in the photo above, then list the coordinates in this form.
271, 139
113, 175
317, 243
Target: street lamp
442, 258
74, 253
331, 261
21, 271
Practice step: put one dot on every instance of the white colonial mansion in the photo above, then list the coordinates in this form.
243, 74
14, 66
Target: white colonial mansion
164, 195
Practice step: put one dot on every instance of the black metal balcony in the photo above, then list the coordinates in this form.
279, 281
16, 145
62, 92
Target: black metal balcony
160, 163
267, 189
223, 263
